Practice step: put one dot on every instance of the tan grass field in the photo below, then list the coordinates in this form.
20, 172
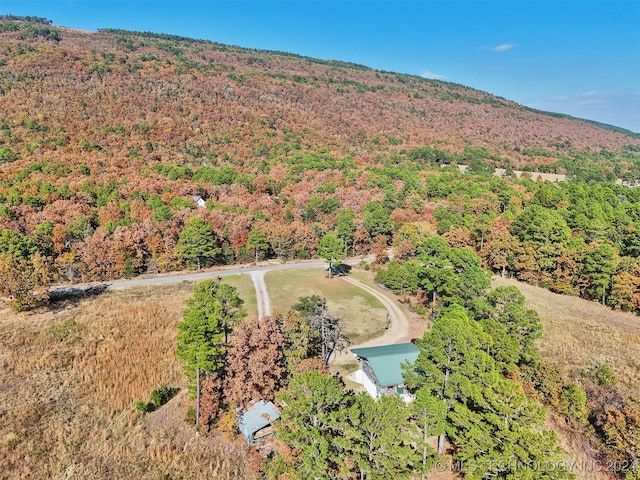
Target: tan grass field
578, 333
69, 380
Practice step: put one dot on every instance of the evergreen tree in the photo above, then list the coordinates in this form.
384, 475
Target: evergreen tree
498, 435
429, 415
16, 246
332, 250
521, 324
197, 243
401, 278
312, 419
377, 220
495, 428
378, 438
541, 227
346, 227
211, 313
451, 364
598, 266
257, 241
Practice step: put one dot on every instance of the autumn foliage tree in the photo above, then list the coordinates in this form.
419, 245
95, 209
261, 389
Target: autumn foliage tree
255, 363
26, 272
25, 281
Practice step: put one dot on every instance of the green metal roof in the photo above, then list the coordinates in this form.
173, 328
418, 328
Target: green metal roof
386, 361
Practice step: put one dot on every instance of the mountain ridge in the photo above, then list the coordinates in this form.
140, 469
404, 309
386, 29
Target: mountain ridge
344, 105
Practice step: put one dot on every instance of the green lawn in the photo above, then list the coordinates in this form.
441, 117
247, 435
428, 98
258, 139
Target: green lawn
245, 290
363, 317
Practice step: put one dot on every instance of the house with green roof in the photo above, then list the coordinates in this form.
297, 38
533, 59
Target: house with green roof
380, 370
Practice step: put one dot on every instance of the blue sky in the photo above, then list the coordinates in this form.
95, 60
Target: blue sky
576, 57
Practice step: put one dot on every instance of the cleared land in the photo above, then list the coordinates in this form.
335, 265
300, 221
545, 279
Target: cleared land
363, 315
70, 375
578, 333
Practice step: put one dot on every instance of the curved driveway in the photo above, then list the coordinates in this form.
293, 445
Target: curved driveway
401, 327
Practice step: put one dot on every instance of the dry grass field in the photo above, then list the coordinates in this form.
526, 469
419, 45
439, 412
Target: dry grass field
579, 333
69, 380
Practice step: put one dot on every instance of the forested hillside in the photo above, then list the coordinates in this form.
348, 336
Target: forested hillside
106, 138
124, 153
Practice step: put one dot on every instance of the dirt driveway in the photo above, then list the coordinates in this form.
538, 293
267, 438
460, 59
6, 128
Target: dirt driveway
402, 328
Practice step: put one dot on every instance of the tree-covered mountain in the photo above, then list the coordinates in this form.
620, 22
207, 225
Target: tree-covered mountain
107, 138
125, 152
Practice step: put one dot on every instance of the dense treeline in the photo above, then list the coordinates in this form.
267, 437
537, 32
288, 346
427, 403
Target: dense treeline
572, 238
468, 383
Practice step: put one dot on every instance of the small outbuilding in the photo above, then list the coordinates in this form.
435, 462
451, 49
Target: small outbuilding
381, 368
199, 201
255, 423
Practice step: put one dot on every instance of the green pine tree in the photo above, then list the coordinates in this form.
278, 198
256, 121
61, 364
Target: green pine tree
197, 243
311, 422
332, 250
210, 315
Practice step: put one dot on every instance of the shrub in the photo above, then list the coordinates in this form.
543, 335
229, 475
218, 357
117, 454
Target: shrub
162, 395
144, 407
601, 374
190, 416
157, 398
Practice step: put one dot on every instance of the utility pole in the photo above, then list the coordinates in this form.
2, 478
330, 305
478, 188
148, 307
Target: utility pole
197, 401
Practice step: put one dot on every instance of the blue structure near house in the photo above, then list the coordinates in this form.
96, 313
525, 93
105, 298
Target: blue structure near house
255, 422
381, 368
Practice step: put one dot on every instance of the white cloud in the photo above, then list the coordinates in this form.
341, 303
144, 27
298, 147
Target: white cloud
614, 108
594, 97
595, 93
504, 47
433, 76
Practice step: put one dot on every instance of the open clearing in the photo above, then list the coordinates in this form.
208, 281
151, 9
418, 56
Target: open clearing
363, 315
578, 333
